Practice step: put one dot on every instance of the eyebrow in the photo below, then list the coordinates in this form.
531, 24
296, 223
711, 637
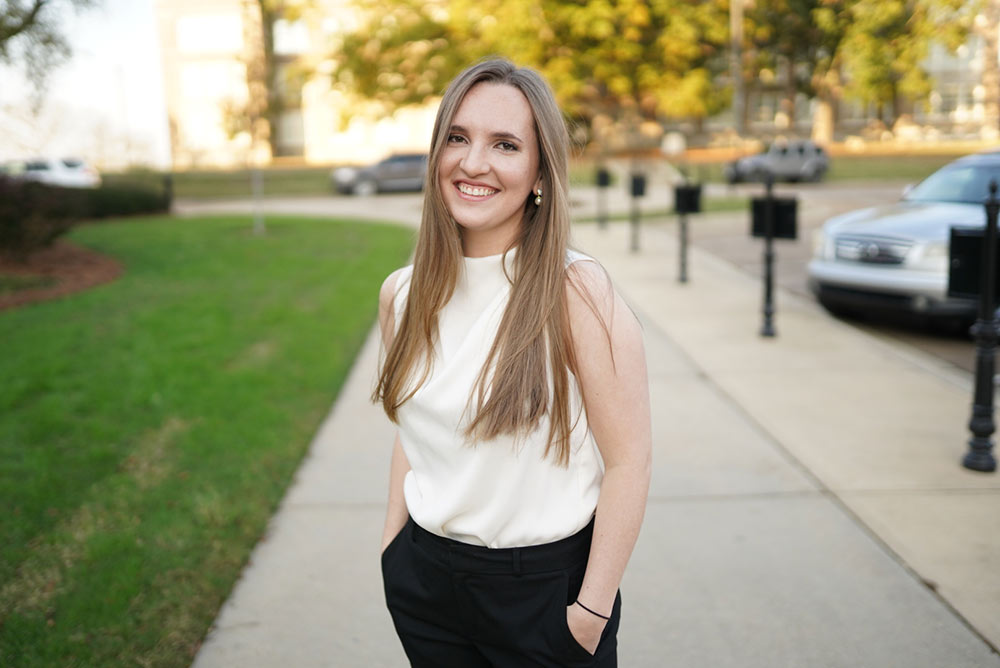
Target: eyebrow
494, 135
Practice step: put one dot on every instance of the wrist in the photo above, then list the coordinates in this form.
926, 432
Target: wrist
593, 612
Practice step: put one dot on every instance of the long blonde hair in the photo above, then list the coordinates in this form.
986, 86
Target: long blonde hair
525, 376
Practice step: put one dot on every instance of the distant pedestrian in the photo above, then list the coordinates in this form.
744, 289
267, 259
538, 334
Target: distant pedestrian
517, 378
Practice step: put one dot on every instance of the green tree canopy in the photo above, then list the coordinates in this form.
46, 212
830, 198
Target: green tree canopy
630, 57
869, 50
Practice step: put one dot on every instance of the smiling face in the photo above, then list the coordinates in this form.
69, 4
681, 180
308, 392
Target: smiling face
489, 167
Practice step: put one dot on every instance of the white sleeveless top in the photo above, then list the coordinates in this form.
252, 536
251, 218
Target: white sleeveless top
494, 493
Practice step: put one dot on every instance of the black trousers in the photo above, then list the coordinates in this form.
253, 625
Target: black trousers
464, 606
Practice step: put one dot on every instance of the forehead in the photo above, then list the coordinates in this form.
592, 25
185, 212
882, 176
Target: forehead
496, 107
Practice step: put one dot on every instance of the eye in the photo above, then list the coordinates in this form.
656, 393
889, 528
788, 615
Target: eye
507, 146
455, 139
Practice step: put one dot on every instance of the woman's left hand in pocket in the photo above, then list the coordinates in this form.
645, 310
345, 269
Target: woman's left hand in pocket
585, 627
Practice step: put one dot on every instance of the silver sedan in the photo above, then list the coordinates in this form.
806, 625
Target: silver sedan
895, 257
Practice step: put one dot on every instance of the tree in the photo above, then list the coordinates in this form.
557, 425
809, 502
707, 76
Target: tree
30, 38
988, 27
887, 41
869, 50
624, 60
269, 77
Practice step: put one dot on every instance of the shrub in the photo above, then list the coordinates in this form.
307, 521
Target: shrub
126, 200
33, 215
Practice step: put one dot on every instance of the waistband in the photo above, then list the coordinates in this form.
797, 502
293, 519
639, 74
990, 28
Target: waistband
561, 554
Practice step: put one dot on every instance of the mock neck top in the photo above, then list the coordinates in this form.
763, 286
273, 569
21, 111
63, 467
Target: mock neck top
501, 492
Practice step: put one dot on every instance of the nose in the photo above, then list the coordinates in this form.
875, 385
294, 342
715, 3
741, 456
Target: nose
474, 160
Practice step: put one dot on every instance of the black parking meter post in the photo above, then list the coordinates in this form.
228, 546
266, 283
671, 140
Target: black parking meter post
767, 329
603, 181
981, 424
683, 277
638, 190
687, 199
634, 225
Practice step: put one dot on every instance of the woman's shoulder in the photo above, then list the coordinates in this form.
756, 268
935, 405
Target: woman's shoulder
575, 256
586, 274
393, 284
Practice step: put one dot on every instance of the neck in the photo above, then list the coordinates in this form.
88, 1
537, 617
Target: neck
483, 243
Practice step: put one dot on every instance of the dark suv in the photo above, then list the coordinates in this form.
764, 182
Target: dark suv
797, 160
400, 171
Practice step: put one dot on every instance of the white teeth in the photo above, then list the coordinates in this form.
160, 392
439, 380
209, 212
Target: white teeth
475, 191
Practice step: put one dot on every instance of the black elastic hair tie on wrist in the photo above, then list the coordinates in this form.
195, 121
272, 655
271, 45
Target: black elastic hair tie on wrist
596, 614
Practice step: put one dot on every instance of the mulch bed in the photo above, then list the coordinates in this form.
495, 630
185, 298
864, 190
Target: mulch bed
72, 268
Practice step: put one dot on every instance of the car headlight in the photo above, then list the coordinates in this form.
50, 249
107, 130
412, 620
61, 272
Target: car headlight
936, 250
822, 244
933, 256
344, 174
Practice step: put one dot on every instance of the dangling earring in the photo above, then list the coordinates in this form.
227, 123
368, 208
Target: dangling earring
538, 200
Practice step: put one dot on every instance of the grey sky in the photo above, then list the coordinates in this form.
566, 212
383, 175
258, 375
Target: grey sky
106, 104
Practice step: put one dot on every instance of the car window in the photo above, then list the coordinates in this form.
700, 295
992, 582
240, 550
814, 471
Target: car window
72, 164
958, 183
36, 166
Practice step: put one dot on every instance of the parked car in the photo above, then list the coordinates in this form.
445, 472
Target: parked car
400, 171
65, 172
797, 160
895, 257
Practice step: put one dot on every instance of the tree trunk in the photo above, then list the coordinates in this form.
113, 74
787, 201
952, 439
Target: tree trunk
824, 120
788, 100
827, 87
991, 69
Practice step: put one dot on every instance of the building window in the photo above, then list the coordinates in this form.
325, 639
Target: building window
210, 34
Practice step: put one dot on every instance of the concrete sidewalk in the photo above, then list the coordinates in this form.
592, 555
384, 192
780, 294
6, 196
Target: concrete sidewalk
807, 508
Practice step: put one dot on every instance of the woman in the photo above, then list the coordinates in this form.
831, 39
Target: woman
517, 378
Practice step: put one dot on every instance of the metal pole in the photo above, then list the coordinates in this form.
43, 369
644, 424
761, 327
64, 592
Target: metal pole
768, 328
256, 185
602, 207
683, 278
634, 244
981, 424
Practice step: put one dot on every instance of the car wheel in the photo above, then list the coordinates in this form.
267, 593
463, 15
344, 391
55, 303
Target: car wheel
365, 188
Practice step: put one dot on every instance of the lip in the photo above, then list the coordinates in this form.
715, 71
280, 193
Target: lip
474, 184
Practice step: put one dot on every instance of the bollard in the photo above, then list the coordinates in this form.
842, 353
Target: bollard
772, 218
767, 329
687, 199
981, 424
638, 190
603, 181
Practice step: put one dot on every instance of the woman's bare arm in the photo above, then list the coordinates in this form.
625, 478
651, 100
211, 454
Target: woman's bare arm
396, 513
615, 391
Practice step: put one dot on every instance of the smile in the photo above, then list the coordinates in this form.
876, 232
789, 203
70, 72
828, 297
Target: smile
475, 191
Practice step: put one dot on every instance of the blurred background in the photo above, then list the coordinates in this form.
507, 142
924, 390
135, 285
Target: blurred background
196, 84
183, 293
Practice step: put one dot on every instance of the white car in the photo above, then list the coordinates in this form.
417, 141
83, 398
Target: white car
895, 257
67, 172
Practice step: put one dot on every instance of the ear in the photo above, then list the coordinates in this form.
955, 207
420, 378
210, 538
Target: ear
538, 184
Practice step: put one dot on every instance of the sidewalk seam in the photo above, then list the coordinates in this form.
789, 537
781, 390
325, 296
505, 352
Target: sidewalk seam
821, 488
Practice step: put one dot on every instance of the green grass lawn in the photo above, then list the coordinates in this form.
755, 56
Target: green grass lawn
910, 168
151, 425
230, 184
